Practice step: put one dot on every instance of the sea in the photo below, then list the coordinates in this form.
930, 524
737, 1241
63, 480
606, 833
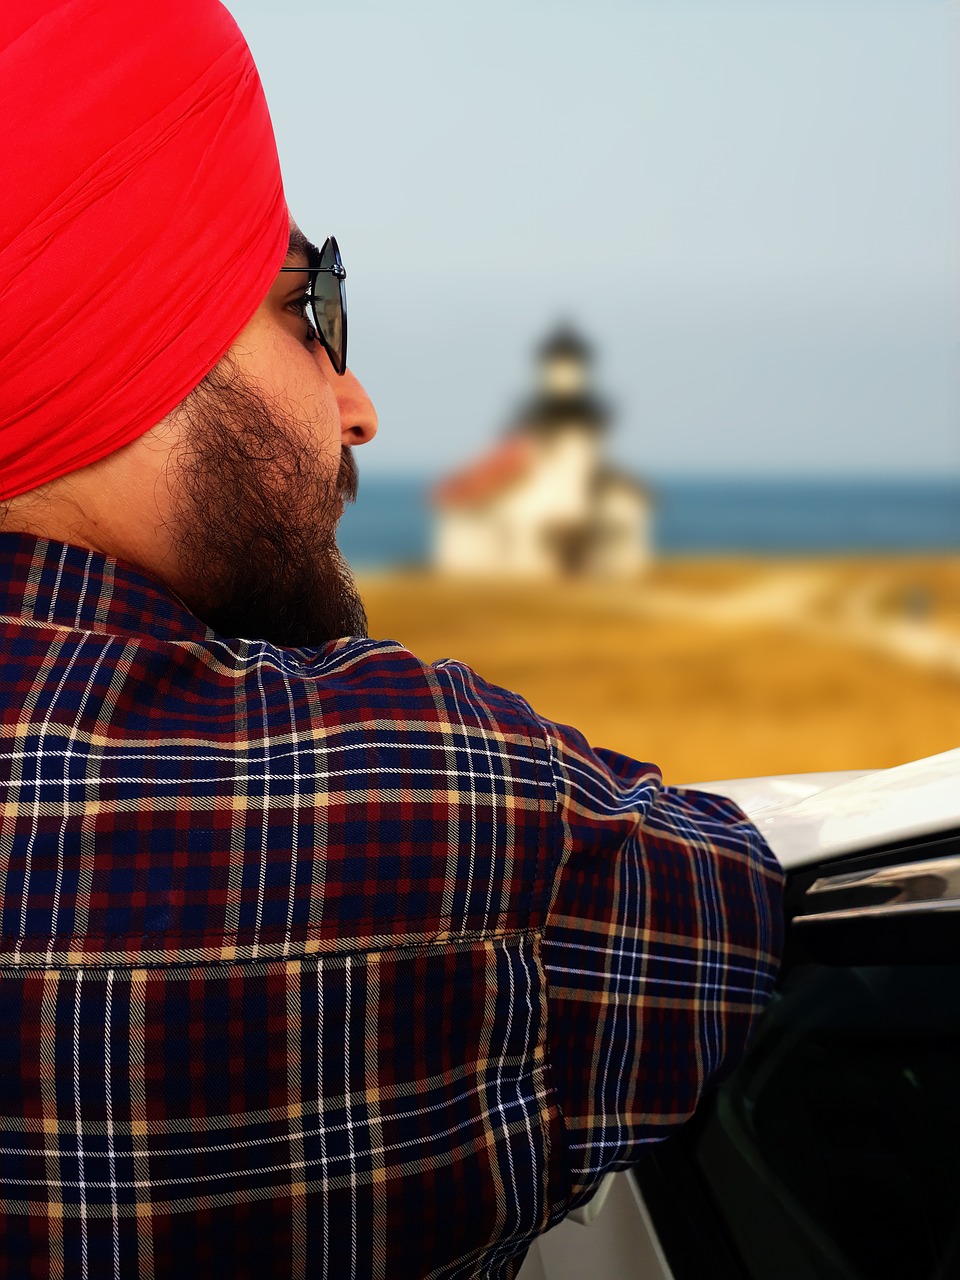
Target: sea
391, 524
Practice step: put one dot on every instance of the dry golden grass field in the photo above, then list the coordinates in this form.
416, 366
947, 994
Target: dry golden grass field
714, 668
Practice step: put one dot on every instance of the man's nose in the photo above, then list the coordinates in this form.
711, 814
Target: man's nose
358, 418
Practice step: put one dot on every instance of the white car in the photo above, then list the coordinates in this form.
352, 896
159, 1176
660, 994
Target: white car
833, 1152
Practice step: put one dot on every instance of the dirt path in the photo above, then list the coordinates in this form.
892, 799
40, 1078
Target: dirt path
814, 601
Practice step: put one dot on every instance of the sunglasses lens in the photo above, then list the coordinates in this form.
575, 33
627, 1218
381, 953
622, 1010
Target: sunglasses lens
329, 305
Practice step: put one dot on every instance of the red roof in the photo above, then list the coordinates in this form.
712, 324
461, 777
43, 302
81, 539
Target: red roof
491, 474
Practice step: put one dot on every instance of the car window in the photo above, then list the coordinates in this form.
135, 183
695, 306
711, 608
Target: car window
833, 1151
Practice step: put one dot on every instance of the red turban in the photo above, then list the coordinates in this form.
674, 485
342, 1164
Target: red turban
142, 219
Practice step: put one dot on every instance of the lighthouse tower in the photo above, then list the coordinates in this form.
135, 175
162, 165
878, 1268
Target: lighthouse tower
543, 502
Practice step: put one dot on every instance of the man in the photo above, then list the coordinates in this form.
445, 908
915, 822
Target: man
316, 959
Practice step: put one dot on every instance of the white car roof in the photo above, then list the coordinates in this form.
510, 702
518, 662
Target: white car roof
811, 817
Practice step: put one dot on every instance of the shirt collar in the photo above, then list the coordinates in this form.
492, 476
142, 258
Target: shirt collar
67, 586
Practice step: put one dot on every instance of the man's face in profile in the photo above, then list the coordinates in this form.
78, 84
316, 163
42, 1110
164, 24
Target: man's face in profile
261, 477
257, 512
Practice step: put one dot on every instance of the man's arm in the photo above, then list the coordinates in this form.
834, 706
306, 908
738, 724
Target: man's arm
660, 951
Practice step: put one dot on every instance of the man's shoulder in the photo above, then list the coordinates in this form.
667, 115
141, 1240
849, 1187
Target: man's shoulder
390, 675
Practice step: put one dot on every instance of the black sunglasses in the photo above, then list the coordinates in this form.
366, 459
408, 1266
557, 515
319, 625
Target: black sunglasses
327, 295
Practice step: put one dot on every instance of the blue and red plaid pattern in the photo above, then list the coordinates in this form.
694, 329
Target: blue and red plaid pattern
330, 963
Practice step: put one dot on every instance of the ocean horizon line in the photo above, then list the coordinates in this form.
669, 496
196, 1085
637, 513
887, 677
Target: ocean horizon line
827, 479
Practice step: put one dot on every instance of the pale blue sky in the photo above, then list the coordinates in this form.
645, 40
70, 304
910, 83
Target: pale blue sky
753, 209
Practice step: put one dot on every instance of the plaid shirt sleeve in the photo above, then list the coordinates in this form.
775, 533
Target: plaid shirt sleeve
660, 949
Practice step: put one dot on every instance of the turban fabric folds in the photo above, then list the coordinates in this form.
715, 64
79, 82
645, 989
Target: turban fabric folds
142, 219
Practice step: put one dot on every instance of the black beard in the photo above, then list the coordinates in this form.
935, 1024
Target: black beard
256, 521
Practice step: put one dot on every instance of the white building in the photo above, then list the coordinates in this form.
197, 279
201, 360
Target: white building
542, 502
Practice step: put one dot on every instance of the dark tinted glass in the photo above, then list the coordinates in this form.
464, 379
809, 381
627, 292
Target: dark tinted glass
834, 1152
330, 306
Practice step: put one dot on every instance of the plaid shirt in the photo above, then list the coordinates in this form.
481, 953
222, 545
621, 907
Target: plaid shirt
331, 962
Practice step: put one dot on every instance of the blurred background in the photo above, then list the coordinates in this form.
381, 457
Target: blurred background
658, 303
